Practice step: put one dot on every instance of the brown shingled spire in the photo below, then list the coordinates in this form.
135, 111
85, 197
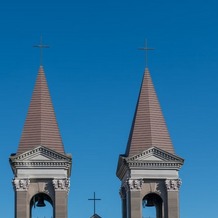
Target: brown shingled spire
148, 127
41, 126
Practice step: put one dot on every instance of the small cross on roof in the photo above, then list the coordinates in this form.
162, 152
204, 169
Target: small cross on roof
41, 47
146, 49
94, 200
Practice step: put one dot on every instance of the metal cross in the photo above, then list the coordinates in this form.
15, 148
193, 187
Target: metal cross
41, 46
94, 199
146, 49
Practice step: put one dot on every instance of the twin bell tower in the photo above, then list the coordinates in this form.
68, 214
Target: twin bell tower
148, 170
41, 167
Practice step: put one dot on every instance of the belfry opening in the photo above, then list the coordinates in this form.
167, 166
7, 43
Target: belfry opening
152, 201
41, 202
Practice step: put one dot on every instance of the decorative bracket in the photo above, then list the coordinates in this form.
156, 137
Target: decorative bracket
61, 184
21, 184
133, 184
173, 184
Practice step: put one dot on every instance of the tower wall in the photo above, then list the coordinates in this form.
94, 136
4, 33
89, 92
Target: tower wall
173, 204
61, 204
134, 204
21, 204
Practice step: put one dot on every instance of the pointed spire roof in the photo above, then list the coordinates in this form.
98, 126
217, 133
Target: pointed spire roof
41, 127
148, 127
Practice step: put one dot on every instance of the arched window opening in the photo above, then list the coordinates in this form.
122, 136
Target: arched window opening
41, 206
152, 206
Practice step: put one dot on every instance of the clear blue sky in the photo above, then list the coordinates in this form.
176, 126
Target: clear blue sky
94, 72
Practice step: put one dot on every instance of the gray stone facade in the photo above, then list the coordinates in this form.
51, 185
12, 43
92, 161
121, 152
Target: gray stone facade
150, 175
41, 172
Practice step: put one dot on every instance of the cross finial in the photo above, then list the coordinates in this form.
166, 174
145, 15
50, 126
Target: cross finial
94, 199
41, 46
146, 49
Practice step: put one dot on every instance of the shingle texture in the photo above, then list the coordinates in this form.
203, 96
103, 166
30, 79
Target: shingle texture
41, 127
148, 127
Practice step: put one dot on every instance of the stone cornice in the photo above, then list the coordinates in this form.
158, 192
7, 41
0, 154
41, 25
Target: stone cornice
53, 160
122, 167
154, 165
162, 160
41, 164
41, 150
156, 152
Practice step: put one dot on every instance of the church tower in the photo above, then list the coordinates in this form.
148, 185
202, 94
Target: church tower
41, 167
149, 168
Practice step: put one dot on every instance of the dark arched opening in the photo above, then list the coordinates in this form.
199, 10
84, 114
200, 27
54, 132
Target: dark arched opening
152, 206
41, 205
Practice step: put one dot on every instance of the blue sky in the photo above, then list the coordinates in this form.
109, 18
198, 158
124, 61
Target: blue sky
94, 71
